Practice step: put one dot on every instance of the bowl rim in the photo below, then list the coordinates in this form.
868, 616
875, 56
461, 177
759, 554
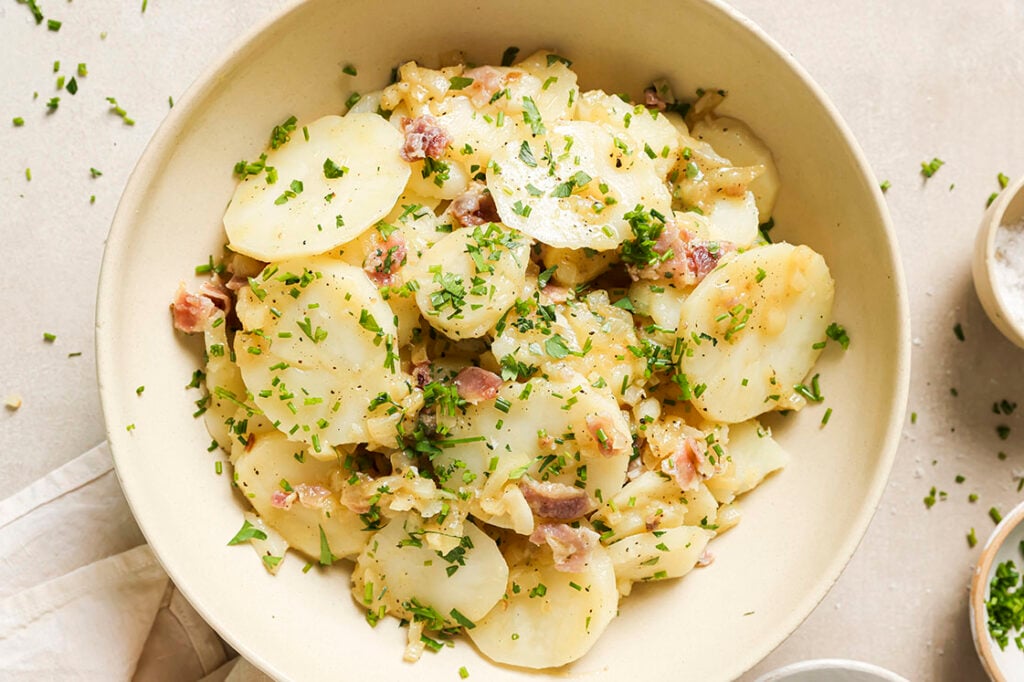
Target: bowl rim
990, 224
979, 589
781, 674
160, 145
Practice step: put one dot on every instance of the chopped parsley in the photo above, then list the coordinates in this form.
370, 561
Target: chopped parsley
930, 168
246, 533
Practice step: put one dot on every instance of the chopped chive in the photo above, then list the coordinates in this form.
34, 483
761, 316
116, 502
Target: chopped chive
994, 514
48, 337
18, 121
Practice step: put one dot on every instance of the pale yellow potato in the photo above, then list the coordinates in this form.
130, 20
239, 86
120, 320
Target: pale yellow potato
397, 565
671, 553
735, 140
765, 343
553, 628
581, 204
338, 353
273, 222
259, 472
752, 454
469, 279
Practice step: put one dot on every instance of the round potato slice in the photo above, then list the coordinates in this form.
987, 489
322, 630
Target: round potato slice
549, 618
317, 345
273, 462
399, 571
764, 311
735, 140
469, 279
573, 187
655, 135
328, 190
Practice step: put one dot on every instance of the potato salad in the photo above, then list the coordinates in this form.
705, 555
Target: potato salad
503, 344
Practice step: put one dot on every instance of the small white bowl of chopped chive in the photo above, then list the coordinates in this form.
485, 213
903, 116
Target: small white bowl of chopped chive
997, 600
998, 265
831, 670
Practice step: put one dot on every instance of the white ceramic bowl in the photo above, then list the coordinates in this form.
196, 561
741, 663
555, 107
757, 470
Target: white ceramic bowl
831, 670
1004, 543
1008, 209
799, 529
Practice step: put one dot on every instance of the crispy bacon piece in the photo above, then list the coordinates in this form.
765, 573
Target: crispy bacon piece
555, 501
476, 384
421, 374
652, 100
570, 546
386, 258
282, 500
487, 80
475, 207
191, 311
424, 138
684, 466
555, 293
217, 292
313, 496
601, 428
689, 259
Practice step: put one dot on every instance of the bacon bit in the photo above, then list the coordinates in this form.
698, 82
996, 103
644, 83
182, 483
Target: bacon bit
282, 500
313, 496
555, 293
570, 547
690, 260
652, 100
355, 499
683, 466
421, 374
602, 424
221, 296
475, 207
487, 80
386, 258
706, 558
191, 311
476, 384
250, 441
424, 138
653, 521
555, 501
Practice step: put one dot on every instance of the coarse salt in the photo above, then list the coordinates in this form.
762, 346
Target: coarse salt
1009, 268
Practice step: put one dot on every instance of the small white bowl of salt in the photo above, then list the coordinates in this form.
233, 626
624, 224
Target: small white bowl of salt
998, 265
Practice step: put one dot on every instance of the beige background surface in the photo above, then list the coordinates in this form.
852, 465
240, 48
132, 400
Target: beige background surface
913, 79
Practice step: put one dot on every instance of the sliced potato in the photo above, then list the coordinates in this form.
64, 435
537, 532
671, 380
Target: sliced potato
670, 553
305, 212
318, 347
572, 188
653, 501
735, 140
549, 618
469, 279
398, 566
272, 462
650, 132
525, 431
752, 454
764, 310
223, 379
734, 219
